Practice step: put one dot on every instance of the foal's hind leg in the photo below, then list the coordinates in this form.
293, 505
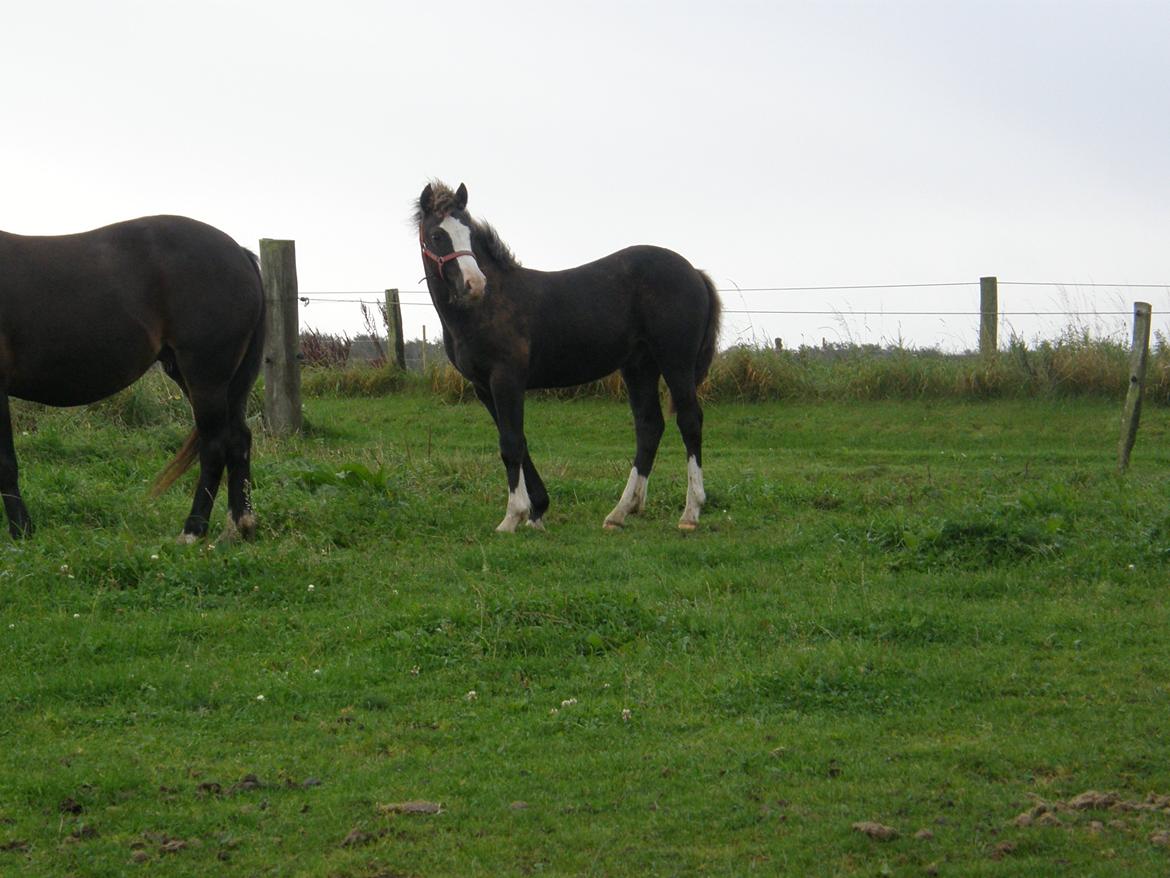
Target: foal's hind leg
19, 523
642, 385
690, 424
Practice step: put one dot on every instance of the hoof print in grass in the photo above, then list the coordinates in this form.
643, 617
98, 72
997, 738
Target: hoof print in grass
876, 831
70, 805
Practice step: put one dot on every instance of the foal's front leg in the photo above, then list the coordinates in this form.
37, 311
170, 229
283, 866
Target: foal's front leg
508, 402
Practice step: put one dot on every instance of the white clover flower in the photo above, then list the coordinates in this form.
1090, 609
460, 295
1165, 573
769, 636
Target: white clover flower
154, 557
471, 696
414, 672
259, 697
77, 615
552, 711
568, 702
626, 714
311, 586
317, 672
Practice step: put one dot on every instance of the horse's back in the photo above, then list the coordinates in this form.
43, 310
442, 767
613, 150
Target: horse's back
83, 315
592, 319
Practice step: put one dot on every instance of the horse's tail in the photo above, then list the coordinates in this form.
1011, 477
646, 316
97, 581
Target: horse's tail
179, 464
711, 335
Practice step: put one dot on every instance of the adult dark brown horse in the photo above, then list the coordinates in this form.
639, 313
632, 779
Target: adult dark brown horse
82, 316
644, 311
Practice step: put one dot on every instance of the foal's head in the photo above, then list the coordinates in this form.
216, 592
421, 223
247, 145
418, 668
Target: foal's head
444, 230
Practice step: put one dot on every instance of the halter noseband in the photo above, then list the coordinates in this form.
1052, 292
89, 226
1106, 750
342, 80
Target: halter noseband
440, 261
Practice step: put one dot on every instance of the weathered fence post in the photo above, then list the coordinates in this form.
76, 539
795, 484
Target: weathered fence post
282, 366
988, 315
397, 343
424, 350
1138, 357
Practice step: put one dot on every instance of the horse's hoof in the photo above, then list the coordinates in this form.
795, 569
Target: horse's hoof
688, 526
247, 526
612, 526
535, 524
234, 531
186, 539
506, 527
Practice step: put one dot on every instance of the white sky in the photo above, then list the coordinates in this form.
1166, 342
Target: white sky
774, 144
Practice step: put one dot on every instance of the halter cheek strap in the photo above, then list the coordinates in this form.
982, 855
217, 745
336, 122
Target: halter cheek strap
440, 261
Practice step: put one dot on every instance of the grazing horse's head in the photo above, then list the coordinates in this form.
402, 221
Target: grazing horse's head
444, 230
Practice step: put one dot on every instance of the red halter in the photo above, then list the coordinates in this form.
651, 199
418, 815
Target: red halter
440, 261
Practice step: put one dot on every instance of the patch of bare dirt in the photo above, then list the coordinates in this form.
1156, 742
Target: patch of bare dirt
876, 831
415, 806
1068, 812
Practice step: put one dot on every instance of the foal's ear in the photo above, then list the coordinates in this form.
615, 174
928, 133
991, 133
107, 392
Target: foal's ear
461, 197
427, 199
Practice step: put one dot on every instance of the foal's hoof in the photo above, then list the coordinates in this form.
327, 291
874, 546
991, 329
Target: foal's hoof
186, 539
535, 524
688, 526
612, 526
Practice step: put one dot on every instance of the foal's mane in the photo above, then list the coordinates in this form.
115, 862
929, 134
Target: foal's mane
443, 202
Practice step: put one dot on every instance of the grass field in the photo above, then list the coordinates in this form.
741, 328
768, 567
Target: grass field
931, 616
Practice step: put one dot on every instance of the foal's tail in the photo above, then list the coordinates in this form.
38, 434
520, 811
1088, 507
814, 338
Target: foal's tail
181, 462
711, 336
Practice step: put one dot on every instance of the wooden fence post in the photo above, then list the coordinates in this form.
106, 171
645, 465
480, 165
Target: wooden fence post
1138, 357
282, 365
988, 315
424, 350
397, 343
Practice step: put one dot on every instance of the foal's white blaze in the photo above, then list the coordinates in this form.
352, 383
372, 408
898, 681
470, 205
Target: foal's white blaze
519, 507
461, 240
632, 502
696, 496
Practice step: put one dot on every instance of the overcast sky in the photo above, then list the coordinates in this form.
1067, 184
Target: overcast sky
774, 144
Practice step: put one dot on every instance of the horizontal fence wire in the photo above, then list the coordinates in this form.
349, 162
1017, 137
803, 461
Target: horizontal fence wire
376, 298
797, 312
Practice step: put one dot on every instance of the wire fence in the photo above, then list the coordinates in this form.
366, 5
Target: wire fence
1110, 318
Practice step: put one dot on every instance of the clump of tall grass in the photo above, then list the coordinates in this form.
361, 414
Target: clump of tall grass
361, 380
322, 349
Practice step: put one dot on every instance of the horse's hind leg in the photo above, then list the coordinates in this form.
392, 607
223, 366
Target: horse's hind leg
19, 523
211, 420
642, 385
241, 519
690, 424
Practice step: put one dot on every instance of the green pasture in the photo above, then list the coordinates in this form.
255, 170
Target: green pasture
935, 616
